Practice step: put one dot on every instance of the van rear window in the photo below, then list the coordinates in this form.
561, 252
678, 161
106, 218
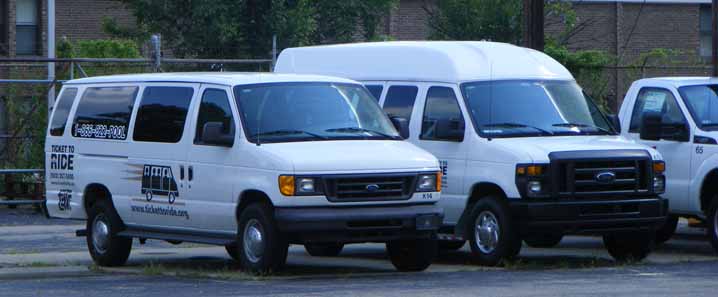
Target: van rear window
62, 111
104, 113
162, 114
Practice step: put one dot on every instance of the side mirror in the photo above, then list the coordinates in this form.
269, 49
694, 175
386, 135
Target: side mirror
613, 119
651, 126
214, 133
401, 125
452, 130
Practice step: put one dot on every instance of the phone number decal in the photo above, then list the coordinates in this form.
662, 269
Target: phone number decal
100, 131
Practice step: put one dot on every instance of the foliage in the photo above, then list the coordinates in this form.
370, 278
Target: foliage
495, 20
26, 123
244, 28
100, 48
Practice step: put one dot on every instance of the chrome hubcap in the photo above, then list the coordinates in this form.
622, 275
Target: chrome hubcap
487, 232
100, 234
253, 241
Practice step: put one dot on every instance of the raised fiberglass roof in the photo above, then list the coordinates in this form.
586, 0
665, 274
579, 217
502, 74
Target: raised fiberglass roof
221, 78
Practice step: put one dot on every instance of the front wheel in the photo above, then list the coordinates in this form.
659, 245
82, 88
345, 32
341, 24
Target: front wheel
547, 240
712, 219
412, 255
324, 249
625, 247
491, 232
106, 248
666, 231
262, 250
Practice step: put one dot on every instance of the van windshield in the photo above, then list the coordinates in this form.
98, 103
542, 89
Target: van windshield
702, 102
533, 108
286, 112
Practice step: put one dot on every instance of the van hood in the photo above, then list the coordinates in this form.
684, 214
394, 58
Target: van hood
538, 149
360, 156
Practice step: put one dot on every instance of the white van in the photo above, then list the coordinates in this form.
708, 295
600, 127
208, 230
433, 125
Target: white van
679, 117
254, 162
524, 152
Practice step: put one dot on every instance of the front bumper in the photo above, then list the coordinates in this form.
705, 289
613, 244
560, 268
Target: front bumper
596, 216
359, 224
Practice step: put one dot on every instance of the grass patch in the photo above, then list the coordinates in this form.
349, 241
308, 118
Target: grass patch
559, 263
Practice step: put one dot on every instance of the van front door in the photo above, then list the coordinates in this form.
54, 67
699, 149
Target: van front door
212, 163
157, 157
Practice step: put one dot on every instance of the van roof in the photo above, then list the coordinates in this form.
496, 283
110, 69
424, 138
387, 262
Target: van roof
221, 78
440, 61
679, 81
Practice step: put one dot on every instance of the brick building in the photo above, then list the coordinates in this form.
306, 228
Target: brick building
23, 23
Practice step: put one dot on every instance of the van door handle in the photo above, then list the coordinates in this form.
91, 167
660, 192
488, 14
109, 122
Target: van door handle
181, 172
190, 173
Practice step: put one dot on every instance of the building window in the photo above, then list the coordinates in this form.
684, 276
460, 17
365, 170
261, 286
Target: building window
4, 27
706, 19
26, 27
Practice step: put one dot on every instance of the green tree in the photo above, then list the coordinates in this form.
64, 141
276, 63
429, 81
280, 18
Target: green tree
244, 28
496, 20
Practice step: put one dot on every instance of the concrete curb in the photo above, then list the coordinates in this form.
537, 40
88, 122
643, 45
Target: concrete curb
44, 272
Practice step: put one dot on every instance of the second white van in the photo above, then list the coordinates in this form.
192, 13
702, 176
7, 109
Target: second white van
526, 154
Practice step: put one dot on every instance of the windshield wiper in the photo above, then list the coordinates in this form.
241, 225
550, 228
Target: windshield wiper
516, 125
358, 130
579, 125
288, 132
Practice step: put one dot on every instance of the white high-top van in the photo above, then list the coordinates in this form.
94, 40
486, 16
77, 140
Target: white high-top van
524, 152
254, 162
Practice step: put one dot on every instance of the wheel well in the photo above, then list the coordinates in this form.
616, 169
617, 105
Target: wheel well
251, 196
94, 193
478, 191
708, 189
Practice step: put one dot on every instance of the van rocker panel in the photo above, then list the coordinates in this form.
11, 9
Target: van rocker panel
593, 216
359, 224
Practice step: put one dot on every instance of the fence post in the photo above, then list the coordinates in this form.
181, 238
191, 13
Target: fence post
274, 53
157, 51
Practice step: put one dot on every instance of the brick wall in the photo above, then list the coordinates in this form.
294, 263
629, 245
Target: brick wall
82, 19
409, 20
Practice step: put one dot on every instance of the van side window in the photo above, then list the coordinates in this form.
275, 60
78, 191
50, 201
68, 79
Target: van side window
400, 101
104, 113
213, 108
162, 114
442, 116
657, 101
62, 111
375, 90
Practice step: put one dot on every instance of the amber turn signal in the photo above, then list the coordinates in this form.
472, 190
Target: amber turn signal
286, 185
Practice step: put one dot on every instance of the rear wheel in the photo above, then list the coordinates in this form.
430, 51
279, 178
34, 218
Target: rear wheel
103, 224
412, 255
666, 231
491, 232
712, 219
261, 247
324, 249
545, 240
626, 247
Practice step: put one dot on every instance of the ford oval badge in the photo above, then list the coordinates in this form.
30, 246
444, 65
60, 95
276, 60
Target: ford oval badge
372, 188
606, 177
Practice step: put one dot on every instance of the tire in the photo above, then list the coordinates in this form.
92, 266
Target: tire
666, 231
546, 240
628, 247
412, 255
103, 224
451, 245
712, 223
501, 241
171, 198
269, 253
324, 249
148, 195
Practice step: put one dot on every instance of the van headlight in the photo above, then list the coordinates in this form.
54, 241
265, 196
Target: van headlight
429, 182
290, 185
532, 180
659, 179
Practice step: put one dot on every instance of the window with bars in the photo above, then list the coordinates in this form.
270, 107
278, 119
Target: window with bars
26, 27
4, 16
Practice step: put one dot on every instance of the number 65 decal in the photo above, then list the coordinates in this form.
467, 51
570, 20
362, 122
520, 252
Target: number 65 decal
699, 150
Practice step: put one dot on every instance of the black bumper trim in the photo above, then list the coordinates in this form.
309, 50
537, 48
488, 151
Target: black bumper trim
359, 224
589, 217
